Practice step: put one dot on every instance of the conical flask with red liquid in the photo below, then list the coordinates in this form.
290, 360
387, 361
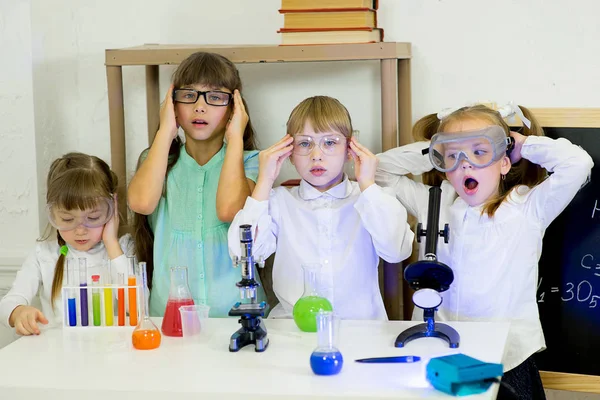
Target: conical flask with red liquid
179, 295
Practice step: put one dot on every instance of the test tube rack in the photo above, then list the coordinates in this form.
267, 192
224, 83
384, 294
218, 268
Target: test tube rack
97, 316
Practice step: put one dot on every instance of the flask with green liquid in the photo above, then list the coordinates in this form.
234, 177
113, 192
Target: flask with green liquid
312, 301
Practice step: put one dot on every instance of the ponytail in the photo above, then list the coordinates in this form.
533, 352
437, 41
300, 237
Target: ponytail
523, 172
59, 271
424, 129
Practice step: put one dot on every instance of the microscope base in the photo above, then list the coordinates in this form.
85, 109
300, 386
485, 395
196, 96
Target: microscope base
437, 330
253, 331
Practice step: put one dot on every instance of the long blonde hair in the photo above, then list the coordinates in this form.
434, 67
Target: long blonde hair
522, 172
76, 181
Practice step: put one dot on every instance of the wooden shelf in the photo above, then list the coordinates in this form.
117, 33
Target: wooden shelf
396, 119
154, 54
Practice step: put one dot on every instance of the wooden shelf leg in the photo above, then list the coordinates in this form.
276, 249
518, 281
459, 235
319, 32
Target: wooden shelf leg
404, 102
116, 116
389, 139
152, 101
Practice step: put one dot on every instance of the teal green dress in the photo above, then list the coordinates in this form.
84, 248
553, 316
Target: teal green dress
188, 233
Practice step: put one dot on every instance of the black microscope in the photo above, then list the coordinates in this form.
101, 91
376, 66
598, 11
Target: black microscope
429, 277
253, 330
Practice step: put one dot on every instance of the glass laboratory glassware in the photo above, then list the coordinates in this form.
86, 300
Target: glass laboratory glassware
109, 311
83, 292
179, 295
326, 359
96, 300
72, 282
121, 299
146, 335
132, 292
312, 301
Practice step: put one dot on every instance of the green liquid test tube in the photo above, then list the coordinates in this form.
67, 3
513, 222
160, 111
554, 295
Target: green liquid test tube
96, 305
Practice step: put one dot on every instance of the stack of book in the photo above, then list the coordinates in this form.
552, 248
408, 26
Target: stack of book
329, 22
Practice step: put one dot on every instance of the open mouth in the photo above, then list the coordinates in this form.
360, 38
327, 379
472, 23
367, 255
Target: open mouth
470, 185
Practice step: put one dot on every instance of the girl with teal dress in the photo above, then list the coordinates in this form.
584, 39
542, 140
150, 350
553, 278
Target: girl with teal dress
187, 190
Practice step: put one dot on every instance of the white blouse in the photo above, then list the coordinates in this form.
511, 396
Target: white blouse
344, 230
495, 260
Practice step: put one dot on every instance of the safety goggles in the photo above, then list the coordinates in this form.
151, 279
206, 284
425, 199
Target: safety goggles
329, 144
66, 220
479, 148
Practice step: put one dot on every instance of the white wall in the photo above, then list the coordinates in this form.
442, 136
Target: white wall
18, 178
539, 53
508, 51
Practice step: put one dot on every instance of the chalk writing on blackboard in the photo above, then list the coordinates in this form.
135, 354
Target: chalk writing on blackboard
595, 208
582, 291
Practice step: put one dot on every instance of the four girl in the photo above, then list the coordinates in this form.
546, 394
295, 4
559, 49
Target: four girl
496, 197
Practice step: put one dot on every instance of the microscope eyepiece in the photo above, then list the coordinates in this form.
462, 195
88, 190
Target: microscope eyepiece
246, 233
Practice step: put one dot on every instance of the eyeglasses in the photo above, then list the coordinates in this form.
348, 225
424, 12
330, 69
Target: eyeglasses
212, 97
329, 145
66, 220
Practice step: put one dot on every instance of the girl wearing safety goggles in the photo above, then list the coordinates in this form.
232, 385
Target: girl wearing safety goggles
498, 201
81, 207
328, 219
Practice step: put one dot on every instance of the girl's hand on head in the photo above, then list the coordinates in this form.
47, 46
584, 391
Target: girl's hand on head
25, 320
271, 159
515, 154
168, 121
110, 235
238, 119
365, 164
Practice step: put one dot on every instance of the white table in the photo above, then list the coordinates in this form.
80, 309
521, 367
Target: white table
100, 363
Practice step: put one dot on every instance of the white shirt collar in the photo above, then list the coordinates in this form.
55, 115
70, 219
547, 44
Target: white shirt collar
339, 191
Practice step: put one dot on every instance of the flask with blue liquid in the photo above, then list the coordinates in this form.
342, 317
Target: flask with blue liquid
326, 359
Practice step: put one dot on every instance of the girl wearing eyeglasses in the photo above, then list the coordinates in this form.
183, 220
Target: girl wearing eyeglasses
344, 226
82, 209
188, 188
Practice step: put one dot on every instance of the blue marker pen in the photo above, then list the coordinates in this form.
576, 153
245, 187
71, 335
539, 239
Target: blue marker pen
398, 359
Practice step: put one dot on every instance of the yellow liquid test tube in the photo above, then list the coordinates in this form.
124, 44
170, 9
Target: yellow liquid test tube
109, 311
108, 306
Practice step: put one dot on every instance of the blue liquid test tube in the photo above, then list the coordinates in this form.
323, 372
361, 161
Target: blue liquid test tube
71, 292
83, 292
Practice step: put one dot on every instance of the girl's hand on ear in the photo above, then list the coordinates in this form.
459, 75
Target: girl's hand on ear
25, 320
271, 160
365, 164
110, 235
515, 154
168, 122
238, 119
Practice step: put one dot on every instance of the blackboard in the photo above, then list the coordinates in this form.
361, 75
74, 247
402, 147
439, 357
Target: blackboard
569, 269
